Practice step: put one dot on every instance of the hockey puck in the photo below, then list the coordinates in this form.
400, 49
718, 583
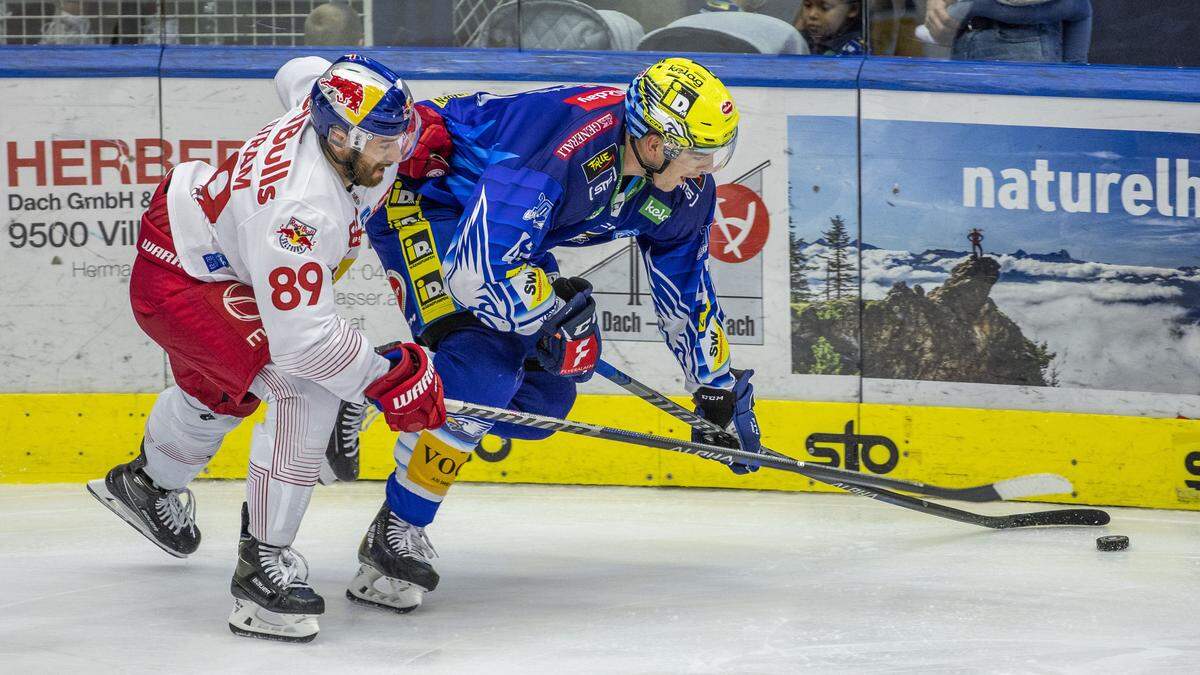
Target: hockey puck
1114, 542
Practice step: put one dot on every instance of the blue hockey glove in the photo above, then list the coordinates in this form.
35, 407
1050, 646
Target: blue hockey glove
569, 340
734, 412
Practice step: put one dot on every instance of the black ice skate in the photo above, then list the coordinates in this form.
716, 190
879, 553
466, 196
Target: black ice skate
395, 573
160, 515
342, 452
272, 598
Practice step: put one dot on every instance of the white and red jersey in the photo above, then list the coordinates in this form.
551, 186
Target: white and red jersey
277, 217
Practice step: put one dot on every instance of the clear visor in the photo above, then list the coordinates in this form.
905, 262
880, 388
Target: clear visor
394, 148
703, 160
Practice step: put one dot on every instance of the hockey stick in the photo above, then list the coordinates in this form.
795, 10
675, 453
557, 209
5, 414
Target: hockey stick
821, 473
1012, 488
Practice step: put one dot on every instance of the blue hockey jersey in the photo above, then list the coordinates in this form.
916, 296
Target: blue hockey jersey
541, 169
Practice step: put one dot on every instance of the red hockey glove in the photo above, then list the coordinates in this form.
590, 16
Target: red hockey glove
410, 394
431, 157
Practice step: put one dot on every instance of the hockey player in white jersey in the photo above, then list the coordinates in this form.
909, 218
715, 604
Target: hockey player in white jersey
233, 279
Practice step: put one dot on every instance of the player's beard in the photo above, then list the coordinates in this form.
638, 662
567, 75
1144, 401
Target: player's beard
366, 172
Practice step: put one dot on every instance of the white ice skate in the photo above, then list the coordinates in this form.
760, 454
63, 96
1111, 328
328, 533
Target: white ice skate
371, 587
160, 515
395, 573
271, 596
248, 619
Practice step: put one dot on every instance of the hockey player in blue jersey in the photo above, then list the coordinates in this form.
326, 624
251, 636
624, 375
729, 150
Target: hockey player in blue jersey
469, 255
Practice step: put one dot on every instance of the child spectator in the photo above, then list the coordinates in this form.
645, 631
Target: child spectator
831, 27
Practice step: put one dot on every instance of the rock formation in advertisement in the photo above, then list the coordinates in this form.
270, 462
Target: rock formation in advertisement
954, 333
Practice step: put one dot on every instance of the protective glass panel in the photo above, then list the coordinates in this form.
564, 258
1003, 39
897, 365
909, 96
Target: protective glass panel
187, 22
1113, 32
726, 26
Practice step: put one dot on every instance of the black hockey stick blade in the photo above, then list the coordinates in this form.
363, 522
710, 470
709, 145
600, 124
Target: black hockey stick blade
1088, 517
819, 473
1085, 517
1012, 488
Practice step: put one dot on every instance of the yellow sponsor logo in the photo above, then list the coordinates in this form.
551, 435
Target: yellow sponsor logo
717, 348
600, 161
418, 246
536, 287
422, 263
435, 464
531, 284
441, 101
712, 338
401, 195
703, 321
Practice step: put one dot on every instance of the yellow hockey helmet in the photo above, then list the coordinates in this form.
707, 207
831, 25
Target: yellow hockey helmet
689, 107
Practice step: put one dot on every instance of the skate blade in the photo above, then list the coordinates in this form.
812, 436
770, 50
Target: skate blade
250, 620
371, 588
99, 490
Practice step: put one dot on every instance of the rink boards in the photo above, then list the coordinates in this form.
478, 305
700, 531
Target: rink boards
909, 155
1115, 460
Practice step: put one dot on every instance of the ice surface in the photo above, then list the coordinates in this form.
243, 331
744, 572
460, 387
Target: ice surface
572, 579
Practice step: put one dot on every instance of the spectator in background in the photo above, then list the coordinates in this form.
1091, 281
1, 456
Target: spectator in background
68, 27
831, 27
1012, 30
724, 5
157, 28
333, 24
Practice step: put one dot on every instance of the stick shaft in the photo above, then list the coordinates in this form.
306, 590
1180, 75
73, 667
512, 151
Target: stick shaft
981, 493
823, 474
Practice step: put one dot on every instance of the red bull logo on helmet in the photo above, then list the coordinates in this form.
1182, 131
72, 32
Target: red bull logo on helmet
353, 89
346, 92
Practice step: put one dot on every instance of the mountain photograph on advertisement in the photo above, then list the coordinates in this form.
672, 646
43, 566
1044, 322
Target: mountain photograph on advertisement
1065, 258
